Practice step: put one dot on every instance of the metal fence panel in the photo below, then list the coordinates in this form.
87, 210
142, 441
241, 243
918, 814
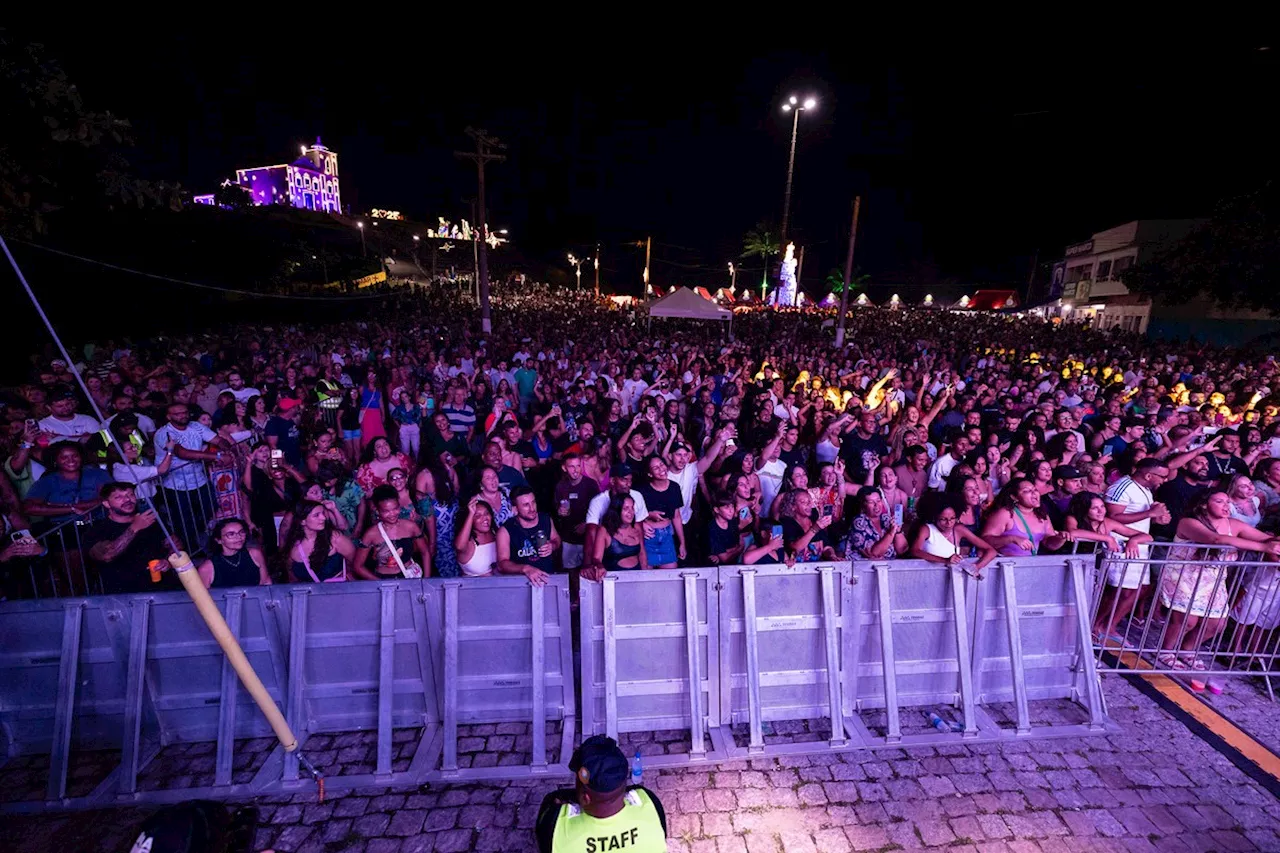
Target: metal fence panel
783, 646
646, 638
503, 653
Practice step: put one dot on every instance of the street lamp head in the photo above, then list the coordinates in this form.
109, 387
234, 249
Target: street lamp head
502, 231
786, 108
793, 99
360, 225
416, 238
810, 103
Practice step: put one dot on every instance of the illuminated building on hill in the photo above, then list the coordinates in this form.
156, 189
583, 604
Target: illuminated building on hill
309, 183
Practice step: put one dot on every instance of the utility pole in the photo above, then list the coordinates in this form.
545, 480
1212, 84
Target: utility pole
1031, 277
597, 270
848, 272
648, 244
485, 145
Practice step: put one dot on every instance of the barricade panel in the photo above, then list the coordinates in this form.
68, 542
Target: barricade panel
503, 650
32, 636
783, 640
643, 633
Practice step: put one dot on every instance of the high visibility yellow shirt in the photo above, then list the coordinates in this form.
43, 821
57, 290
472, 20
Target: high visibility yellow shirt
636, 828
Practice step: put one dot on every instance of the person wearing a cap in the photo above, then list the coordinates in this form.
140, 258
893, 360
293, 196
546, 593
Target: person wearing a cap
282, 430
601, 813
620, 478
1068, 481
64, 421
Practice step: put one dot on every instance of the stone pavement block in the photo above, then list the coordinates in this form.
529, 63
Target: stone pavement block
967, 827
993, 826
934, 832
1231, 841
842, 792
797, 842
292, 837
458, 840
719, 800
350, 807
406, 822
384, 845
733, 844
866, 837
716, 824
372, 825
811, 795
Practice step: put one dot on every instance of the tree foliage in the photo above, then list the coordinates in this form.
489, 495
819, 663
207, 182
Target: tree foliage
55, 152
760, 242
1233, 258
835, 281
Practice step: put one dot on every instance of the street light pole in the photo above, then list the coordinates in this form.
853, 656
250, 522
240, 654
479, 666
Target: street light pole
364, 251
795, 107
733, 278
577, 265
485, 145
597, 270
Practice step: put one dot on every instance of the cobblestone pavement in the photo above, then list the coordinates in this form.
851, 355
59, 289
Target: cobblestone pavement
1156, 787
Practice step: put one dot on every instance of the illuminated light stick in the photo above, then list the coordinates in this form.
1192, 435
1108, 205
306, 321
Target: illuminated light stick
182, 564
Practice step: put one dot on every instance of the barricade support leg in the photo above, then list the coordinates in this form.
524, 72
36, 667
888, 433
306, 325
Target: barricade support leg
450, 762
539, 663
1015, 646
958, 606
829, 625
233, 612
1089, 672
609, 622
697, 747
894, 730
386, 676
135, 682
753, 659
295, 712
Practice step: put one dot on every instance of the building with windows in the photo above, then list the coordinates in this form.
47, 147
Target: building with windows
309, 183
1088, 286
1088, 282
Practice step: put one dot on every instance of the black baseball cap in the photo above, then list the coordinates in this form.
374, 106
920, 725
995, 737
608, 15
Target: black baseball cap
620, 469
1067, 472
600, 765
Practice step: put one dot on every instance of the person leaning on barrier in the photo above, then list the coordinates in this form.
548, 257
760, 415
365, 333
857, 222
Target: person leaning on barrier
527, 541
601, 813
125, 543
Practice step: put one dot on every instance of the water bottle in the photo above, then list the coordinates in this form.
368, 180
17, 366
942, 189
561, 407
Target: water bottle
637, 769
938, 723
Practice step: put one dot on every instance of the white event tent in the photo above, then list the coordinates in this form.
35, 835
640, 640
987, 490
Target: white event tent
688, 305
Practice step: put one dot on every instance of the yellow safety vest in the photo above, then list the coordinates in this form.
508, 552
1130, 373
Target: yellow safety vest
636, 828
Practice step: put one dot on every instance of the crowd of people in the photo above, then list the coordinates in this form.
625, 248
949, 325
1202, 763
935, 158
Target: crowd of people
408, 443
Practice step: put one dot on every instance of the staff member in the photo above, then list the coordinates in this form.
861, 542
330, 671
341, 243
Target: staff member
602, 812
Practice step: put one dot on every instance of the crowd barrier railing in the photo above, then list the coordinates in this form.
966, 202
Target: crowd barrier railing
128, 676
1200, 612
861, 653
728, 662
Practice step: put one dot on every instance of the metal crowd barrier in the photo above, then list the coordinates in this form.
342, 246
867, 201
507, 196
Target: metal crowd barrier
128, 676
1201, 611
747, 660
862, 653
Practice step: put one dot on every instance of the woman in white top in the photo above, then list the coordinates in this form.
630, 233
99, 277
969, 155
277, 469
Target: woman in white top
476, 542
940, 539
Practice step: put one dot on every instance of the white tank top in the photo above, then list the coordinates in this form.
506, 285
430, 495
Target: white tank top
481, 562
937, 544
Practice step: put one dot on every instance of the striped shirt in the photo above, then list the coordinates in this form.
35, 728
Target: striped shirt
461, 418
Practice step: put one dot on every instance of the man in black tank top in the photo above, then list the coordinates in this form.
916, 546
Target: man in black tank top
528, 541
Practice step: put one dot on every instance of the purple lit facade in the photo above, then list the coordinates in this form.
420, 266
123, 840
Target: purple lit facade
310, 182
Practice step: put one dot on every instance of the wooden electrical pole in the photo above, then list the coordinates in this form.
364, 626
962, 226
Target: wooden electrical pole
848, 272
648, 244
485, 145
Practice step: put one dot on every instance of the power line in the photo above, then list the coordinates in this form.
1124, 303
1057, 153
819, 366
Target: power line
195, 284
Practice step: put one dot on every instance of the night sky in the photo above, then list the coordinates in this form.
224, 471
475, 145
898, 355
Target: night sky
971, 154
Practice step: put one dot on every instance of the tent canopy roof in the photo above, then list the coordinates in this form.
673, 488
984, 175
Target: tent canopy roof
685, 303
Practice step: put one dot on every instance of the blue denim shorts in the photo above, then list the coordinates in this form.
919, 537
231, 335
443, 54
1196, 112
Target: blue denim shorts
351, 434
661, 549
